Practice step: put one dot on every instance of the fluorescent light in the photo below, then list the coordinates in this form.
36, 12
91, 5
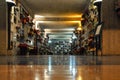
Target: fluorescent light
11, 1
37, 22
49, 41
63, 29
39, 16
97, 1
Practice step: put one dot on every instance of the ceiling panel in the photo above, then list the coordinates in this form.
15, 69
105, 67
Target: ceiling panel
57, 17
57, 7
58, 25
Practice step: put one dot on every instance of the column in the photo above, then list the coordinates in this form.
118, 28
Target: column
111, 29
3, 28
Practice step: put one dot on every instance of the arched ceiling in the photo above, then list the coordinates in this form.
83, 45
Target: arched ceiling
57, 15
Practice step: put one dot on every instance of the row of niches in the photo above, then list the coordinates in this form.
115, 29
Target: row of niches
20, 16
20, 20
61, 47
90, 21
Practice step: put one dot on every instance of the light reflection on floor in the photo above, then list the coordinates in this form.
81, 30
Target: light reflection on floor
64, 68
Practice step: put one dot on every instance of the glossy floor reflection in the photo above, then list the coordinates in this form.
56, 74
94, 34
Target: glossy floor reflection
59, 68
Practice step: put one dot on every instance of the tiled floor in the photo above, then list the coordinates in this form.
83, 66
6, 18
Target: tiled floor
59, 68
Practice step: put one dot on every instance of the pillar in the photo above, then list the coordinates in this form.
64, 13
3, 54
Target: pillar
9, 7
111, 29
3, 28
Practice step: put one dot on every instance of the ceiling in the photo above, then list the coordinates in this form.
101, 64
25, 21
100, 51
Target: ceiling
58, 18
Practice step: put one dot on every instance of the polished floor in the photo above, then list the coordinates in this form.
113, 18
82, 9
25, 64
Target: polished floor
59, 67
